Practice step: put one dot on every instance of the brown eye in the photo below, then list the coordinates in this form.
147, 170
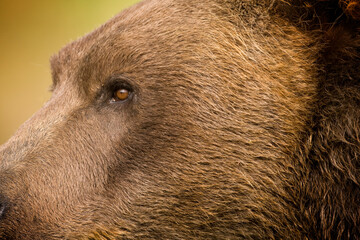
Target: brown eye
121, 94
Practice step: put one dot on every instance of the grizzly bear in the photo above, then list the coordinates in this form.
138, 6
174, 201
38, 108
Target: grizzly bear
212, 119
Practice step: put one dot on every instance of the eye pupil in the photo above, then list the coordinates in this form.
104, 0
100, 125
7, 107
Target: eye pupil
122, 94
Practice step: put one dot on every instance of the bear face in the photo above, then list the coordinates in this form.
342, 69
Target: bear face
193, 120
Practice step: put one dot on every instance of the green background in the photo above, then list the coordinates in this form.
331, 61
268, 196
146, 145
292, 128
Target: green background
30, 32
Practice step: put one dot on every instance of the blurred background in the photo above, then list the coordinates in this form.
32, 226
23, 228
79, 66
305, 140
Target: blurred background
30, 32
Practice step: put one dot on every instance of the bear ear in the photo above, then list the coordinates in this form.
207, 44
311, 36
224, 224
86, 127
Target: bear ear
334, 24
319, 13
351, 8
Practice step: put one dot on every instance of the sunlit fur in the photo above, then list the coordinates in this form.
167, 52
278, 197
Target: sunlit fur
243, 124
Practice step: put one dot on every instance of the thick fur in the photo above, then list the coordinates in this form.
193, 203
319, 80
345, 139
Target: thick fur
243, 123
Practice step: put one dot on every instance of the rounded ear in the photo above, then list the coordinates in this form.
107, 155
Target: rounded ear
319, 14
351, 8
335, 24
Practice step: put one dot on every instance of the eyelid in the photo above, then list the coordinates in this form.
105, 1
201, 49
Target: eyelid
109, 88
119, 81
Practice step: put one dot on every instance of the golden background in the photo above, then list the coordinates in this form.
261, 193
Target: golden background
30, 32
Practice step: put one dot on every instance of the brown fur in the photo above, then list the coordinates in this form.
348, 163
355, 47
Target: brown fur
243, 124
351, 8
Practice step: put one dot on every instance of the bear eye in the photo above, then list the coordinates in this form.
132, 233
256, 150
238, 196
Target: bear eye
121, 94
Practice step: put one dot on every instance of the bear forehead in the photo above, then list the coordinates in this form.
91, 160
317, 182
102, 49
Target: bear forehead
142, 36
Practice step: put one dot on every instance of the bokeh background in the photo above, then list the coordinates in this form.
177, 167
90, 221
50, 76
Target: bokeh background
30, 32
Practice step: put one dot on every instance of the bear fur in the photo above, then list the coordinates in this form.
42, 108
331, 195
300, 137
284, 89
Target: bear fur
242, 123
